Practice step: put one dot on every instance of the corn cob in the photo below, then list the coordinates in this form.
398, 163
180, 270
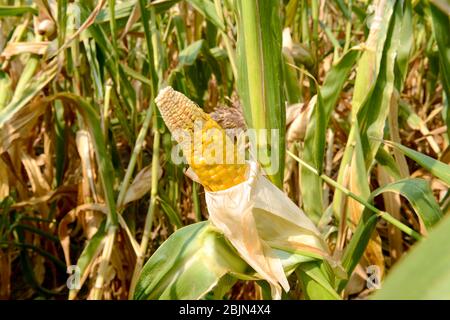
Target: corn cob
199, 133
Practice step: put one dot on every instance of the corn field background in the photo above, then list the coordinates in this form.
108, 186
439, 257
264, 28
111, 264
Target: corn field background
358, 91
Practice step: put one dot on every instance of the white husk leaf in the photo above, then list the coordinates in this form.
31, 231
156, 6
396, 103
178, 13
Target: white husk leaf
255, 216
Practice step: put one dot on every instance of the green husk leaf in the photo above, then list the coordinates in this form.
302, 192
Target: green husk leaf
315, 283
188, 265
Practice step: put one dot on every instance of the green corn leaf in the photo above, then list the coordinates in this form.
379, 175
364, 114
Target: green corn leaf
424, 273
357, 245
171, 213
384, 159
180, 29
208, 10
436, 167
373, 93
370, 62
314, 146
127, 94
291, 79
315, 283
188, 55
373, 114
405, 42
419, 195
441, 23
136, 75
195, 258
10, 11
106, 171
188, 265
121, 10
191, 53
344, 9
162, 6
260, 80
5, 89
61, 21
354, 173
193, 57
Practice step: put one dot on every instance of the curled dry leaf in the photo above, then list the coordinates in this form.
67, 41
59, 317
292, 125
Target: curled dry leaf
63, 191
393, 205
39, 184
20, 123
85, 150
141, 184
70, 217
292, 112
91, 220
297, 118
300, 118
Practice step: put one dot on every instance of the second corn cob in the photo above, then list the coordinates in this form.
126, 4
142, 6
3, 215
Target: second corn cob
197, 133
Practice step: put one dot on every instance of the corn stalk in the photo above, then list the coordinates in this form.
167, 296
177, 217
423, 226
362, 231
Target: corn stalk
260, 80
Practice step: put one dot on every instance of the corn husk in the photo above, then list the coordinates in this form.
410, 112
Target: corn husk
260, 221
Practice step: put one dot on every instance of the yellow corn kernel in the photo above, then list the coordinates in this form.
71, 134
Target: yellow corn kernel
201, 138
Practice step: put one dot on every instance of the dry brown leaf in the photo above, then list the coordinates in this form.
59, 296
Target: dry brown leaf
292, 112
85, 151
373, 255
38, 263
4, 181
90, 220
392, 204
297, 117
134, 17
297, 129
63, 191
70, 217
15, 48
141, 184
20, 124
400, 158
39, 184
